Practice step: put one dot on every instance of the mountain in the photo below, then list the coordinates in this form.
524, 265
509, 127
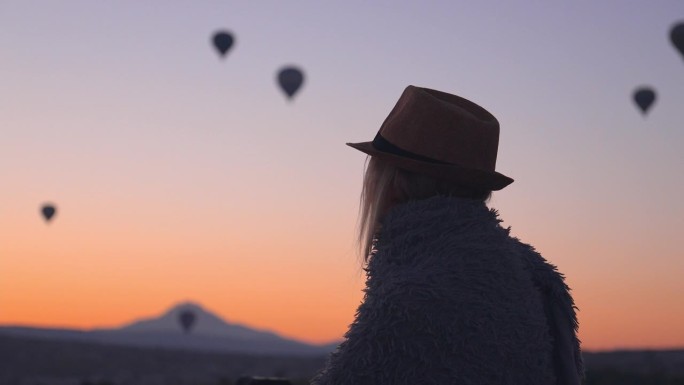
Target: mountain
205, 323
206, 332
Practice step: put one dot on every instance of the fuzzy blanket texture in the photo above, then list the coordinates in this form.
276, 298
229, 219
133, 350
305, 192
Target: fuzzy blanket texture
452, 298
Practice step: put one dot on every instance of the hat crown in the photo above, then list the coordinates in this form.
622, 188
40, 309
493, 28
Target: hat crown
443, 127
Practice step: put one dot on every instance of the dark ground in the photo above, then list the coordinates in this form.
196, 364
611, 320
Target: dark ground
32, 361
26, 361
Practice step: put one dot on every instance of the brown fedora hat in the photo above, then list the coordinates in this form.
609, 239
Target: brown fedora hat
441, 135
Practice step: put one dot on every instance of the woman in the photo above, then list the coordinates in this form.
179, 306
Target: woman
451, 297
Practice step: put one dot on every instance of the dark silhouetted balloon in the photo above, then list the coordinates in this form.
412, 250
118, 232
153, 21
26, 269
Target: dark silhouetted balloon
290, 80
48, 211
187, 320
644, 98
223, 41
677, 37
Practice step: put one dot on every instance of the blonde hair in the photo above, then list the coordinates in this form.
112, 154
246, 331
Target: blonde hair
385, 185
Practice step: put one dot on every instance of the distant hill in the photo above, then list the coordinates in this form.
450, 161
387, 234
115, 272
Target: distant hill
669, 361
208, 332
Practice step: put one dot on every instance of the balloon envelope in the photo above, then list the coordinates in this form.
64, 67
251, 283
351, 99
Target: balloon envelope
677, 37
644, 98
187, 320
290, 80
223, 41
48, 211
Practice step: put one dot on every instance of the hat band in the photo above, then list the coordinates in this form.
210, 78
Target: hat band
384, 145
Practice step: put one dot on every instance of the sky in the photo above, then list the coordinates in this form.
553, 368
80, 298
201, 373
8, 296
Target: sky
180, 175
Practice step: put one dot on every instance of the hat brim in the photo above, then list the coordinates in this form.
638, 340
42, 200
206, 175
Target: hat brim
486, 180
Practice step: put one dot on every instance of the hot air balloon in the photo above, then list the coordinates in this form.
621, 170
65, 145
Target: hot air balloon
290, 80
187, 319
644, 98
677, 36
48, 210
223, 41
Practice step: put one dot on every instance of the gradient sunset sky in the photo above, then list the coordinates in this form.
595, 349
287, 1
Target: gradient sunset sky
179, 175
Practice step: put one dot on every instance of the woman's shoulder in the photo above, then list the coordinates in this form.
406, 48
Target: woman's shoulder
440, 222
543, 271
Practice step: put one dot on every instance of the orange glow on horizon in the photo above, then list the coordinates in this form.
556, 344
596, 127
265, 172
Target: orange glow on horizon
62, 288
